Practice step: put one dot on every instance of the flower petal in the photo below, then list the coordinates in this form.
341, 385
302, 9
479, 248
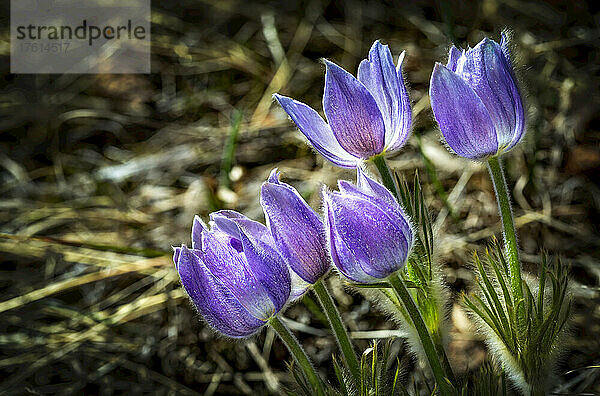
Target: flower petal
226, 258
261, 259
198, 227
463, 119
489, 73
318, 133
269, 268
299, 286
341, 255
386, 85
371, 187
296, 229
453, 58
405, 124
352, 113
230, 222
212, 298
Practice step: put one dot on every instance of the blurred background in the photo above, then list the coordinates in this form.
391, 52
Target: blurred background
101, 174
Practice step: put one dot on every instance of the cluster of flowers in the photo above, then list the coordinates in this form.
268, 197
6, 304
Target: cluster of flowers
236, 271
240, 273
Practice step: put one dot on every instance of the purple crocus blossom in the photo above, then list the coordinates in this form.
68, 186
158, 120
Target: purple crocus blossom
476, 100
297, 231
366, 116
370, 237
233, 273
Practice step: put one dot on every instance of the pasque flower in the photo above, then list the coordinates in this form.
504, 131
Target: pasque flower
233, 273
369, 235
366, 116
476, 100
296, 229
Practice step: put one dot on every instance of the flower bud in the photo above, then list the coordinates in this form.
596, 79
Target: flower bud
296, 229
369, 235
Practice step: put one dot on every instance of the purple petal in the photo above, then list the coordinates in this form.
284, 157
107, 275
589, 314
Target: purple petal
453, 58
197, 227
176, 254
219, 307
397, 141
299, 286
386, 85
489, 73
267, 273
297, 230
274, 176
352, 113
367, 237
463, 119
269, 268
371, 187
318, 133
341, 255
231, 222
226, 258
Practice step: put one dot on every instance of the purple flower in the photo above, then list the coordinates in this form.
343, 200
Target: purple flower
233, 274
476, 100
366, 116
369, 235
296, 229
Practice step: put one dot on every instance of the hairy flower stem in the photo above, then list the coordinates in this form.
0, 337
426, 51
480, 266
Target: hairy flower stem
508, 224
441, 378
386, 175
296, 350
338, 328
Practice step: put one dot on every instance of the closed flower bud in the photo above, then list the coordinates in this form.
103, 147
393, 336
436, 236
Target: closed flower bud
476, 100
297, 231
369, 236
233, 273
367, 116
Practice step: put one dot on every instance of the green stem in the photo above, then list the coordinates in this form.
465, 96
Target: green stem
386, 175
296, 350
510, 234
426, 341
335, 321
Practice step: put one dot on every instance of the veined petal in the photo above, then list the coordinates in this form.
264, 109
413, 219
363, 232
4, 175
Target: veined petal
226, 258
198, 227
269, 268
489, 73
231, 222
386, 84
378, 237
403, 129
219, 307
299, 286
296, 229
455, 55
380, 198
176, 254
341, 254
463, 119
371, 187
263, 262
352, 113
318, 133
